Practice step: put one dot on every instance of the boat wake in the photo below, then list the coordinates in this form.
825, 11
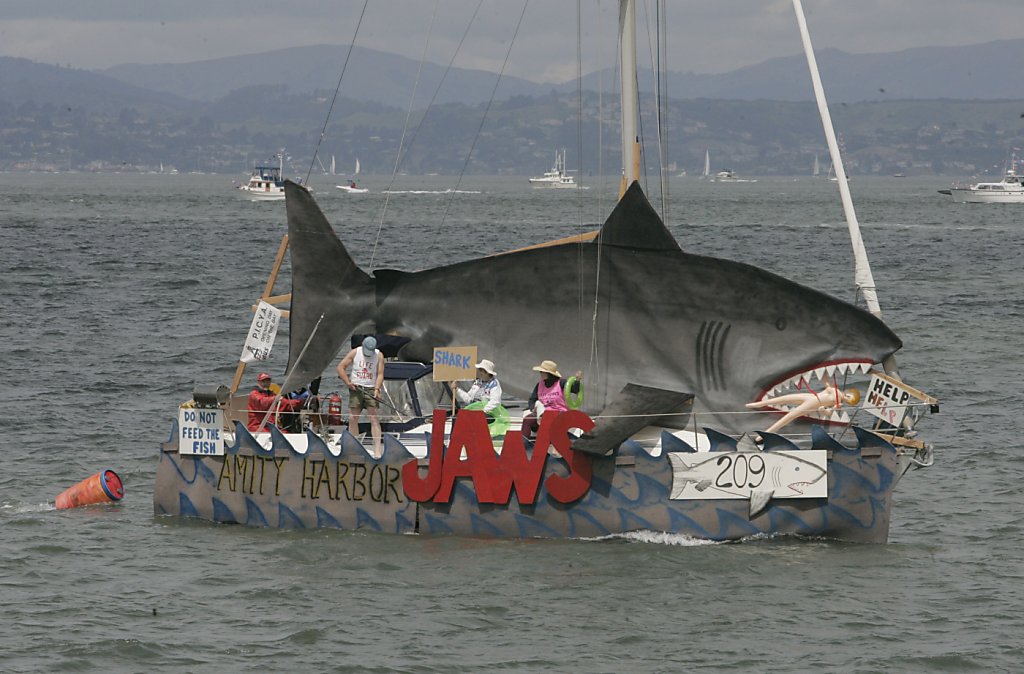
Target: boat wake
655, 537
22, 508
433, 191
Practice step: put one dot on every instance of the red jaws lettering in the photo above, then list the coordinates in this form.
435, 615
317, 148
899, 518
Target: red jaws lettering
495, 475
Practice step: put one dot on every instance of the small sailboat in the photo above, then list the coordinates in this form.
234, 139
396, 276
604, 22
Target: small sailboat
706, 173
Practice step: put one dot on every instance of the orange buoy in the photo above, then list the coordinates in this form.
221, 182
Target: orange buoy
103, 487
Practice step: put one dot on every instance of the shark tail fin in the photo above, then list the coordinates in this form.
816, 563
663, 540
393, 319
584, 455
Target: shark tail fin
331, 295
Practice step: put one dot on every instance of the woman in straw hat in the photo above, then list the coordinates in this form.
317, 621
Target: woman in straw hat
486, 388
548, 394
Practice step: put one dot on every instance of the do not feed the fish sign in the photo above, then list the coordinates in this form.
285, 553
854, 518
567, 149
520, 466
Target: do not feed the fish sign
455, 363
199, 431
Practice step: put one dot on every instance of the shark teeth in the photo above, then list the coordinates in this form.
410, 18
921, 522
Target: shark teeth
821, 374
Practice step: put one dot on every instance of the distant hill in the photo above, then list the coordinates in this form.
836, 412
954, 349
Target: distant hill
985, 71
23, 80
54, 118
371, 75
990, 71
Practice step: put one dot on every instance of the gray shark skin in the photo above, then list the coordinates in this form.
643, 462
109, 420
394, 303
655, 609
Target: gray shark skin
722, 330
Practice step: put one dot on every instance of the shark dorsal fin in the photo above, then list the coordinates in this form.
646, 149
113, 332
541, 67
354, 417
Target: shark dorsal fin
635, 224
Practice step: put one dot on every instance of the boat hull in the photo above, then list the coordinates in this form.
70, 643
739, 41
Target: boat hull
551, 184
973, 196
628, 491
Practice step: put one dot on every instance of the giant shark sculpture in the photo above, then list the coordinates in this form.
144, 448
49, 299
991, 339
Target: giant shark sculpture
724, 331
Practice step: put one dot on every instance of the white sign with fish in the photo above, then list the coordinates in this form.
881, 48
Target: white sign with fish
724, 475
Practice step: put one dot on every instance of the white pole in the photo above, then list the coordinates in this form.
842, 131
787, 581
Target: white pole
628, 97
862, 276
862, 268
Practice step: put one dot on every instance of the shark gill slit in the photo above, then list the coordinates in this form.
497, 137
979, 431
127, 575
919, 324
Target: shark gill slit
720, 356
710, 347
699, 351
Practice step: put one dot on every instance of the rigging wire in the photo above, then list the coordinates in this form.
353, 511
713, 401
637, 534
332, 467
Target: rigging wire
337, 89
483, 119
579, 155
405, 128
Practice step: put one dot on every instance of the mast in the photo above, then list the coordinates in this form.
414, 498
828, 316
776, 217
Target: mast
862, 276
628, 95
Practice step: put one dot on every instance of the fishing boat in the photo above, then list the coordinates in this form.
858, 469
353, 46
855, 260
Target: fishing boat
266, 182
557, 177
1008, 190
737, 419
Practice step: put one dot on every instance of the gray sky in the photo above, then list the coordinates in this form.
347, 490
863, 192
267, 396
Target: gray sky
706, 36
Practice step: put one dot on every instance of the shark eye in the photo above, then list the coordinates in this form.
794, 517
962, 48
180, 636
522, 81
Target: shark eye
780, 324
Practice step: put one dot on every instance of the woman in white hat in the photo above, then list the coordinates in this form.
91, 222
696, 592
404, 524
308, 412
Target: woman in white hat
486, 388
548, 394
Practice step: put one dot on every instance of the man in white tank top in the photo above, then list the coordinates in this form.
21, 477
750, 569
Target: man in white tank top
364, 384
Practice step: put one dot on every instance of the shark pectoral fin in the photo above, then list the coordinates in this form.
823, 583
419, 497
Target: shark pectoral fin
759, 501
634, 408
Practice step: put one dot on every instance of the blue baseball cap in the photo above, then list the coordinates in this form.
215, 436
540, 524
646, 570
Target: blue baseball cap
369, 345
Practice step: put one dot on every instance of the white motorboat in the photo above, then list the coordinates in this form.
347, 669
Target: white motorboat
352, 188
265, 184
1009, 190
730, 177
557, 177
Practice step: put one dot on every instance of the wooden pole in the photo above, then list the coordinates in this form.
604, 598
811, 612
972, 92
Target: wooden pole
267, 294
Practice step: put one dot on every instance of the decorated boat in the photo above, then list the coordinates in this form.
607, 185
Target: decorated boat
739, 415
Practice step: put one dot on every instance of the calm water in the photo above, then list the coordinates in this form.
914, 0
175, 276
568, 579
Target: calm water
119, 293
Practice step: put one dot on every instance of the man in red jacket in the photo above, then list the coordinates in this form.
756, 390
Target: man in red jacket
262, 399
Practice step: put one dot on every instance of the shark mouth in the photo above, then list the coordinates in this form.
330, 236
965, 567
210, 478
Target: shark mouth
824, 373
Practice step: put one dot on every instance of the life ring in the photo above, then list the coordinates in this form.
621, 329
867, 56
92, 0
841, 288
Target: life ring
573, 400
498, 419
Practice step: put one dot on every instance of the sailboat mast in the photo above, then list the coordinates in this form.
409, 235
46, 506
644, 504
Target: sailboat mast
862, 269
862, 276
628, 94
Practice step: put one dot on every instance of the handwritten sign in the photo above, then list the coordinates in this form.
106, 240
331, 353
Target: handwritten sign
200, 431
887, 398
725, 475
262, 332
455, 363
